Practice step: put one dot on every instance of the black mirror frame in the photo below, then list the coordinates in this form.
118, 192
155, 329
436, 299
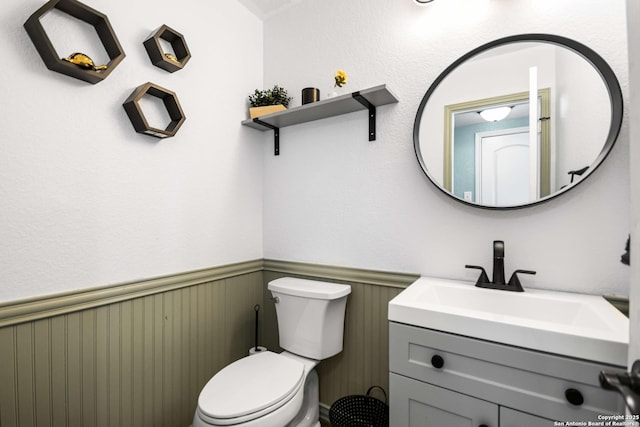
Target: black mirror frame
601, 66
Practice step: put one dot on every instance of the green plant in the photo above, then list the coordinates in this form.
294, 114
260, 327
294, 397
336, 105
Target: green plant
274, 96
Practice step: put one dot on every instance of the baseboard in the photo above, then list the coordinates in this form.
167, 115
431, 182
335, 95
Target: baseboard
324, 412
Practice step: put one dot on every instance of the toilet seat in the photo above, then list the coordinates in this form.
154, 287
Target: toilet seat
250, 388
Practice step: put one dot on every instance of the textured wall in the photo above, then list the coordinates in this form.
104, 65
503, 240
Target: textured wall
86, 201
333, 197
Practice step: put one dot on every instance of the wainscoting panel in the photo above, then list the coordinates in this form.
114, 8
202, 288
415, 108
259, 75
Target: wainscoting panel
364, 360
138, 354
136, 362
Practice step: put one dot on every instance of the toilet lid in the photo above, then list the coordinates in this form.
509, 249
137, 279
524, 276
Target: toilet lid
250, 384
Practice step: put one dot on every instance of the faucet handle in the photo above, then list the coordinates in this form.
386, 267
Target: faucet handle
498, 249
514, 282
483, 275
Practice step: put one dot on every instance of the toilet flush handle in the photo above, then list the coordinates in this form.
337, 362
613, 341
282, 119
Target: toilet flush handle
275, 300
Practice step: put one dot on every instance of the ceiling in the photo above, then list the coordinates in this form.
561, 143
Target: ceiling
264, 9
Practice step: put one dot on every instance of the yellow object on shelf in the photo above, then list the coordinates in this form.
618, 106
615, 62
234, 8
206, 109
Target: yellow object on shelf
84, 61
171, 57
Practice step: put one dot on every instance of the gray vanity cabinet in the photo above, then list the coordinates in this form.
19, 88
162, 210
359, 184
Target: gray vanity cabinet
446, 380
428, 405
511, 418
418, 404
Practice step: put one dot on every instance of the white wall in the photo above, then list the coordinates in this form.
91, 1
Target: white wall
86, 201
633, 22
334, 197
581, 127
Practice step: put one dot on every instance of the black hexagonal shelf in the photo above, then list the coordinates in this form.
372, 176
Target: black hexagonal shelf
52, 59
136, 115
166, 60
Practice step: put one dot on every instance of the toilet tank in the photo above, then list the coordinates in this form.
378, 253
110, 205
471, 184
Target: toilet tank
310, 316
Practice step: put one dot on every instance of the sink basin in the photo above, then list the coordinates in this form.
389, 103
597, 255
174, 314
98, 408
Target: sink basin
568, 324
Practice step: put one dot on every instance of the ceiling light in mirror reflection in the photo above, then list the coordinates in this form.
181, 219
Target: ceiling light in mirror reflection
495, 114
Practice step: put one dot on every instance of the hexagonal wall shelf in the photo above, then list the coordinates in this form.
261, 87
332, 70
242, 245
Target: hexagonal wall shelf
166, 60
136, 115
52, 59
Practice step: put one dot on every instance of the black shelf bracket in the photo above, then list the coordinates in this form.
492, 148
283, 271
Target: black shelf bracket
276, 135
372, 113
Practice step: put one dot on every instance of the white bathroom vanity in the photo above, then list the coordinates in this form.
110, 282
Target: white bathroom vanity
467, 356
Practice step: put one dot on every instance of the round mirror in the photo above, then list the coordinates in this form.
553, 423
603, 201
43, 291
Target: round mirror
518, 121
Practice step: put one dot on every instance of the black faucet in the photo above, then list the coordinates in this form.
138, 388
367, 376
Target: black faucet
498, 281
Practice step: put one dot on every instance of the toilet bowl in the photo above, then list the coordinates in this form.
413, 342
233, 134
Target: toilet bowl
275, 390
265, 389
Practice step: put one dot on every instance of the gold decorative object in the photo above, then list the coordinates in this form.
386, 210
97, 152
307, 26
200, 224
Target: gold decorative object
340, 78
171, 57
84, 61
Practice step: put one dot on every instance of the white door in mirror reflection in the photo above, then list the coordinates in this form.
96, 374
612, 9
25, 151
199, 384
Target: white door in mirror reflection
503, 174
460, 177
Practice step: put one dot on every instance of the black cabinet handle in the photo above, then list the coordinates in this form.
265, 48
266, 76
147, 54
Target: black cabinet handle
483, 425
574, 396
437, 361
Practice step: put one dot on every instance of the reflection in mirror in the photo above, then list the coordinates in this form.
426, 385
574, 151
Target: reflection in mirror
562, 112
491, 152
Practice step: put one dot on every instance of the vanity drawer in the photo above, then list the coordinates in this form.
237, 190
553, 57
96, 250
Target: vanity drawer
517, 378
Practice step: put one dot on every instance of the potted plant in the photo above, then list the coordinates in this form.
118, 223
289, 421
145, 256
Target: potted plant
268, 101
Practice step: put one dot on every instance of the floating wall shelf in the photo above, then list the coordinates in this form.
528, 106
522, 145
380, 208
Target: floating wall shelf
54, 61
136, 115
159, 58
367, 99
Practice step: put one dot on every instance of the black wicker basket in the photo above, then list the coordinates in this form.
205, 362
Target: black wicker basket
360, 411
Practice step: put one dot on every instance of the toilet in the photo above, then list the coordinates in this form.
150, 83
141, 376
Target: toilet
268, 389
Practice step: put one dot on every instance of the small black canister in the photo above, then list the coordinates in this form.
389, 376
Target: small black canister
310, 94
